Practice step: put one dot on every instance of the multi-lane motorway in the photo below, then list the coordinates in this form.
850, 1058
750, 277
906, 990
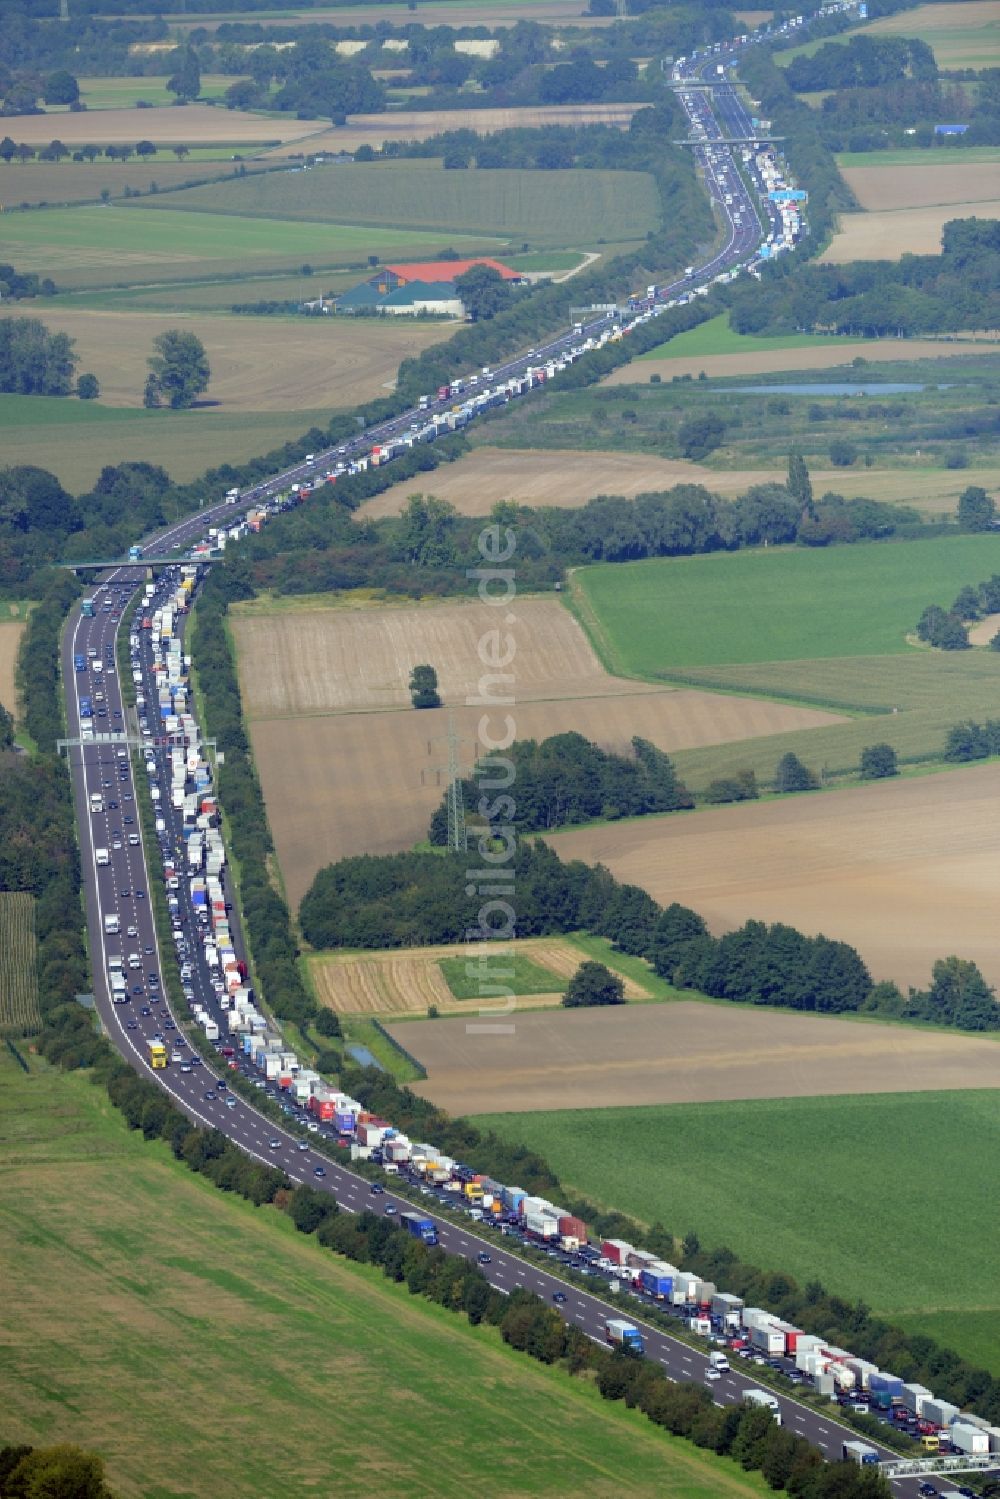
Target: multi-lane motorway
122, 887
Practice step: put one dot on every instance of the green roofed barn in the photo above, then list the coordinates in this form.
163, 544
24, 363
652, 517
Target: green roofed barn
410, 289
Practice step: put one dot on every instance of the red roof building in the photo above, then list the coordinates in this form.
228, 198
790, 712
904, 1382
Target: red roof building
388, 277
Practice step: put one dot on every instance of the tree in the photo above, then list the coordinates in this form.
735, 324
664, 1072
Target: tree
88, 387
145, 148
181, 151
799, 484
186, 82
792, 775
700, 435
424, 687
878, 761
63, 1472
6, 728
842, 453
151, 393
179, 367
61, 88
976, 511
593, 984
7, 149
327, 1023
483, 291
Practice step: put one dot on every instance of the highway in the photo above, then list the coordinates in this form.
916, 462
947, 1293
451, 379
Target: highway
122, 888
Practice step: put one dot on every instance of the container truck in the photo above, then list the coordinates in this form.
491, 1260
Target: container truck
624, 1334
419, 1226
157, 1054
859, 1452
718, 1361
968, 1439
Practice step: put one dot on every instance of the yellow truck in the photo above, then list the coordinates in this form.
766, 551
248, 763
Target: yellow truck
473, 1192
157, 1054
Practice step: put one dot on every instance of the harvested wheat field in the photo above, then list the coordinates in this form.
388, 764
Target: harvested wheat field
682, 1053
10, 640
907, 872
498, 14
256, 364
348, 767
564, 478
888, 235
983, 631
776, 361
890, 188
417, 125
164, 125
405, 982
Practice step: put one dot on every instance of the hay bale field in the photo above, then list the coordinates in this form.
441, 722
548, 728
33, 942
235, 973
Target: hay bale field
10, 642
194, 125
406, 981
833, 356
340, 778
888, 235
906, 871
683, 1053
564, 478
886, 189
258, 364
418, 124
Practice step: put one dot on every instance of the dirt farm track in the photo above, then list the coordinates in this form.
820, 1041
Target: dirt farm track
682, 1053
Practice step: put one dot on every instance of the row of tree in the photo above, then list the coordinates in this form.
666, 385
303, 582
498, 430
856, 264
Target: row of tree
57, 151
875, 62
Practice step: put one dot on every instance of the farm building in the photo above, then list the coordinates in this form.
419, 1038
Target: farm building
409, 289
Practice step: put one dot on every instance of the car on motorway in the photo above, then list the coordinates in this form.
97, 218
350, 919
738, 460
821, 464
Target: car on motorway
274, 1144
230, 1102
376, 1189
303, 1145
928, 1491
484, 1258
712, 1374
319, 1171
125, 894
390, 1211
132, 1024
210, 1095
185, 1066
559, 1297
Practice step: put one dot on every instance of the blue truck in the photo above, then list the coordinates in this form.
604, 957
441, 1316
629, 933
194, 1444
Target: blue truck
419, 1226
622, 1334
86, 708
80, 663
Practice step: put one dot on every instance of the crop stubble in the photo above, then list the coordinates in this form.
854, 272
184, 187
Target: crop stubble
888, 234
683, 1053
836, 356
407, 981
340, 778
885, 189
10, 640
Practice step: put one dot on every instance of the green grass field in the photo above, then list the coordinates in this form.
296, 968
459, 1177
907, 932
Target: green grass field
122, 93
775, 604
547, 208
886, 1197
529, 978
217, 295
118, 245
75, 439
19, 1013
179, 1332
716, 337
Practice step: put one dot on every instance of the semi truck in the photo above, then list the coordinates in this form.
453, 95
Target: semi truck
87, 608
766, 1399
157, 1054
419, 1226
859, 1452
622, 1334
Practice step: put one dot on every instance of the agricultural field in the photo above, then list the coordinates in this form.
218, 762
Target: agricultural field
778, 604
716, 337
75, 439
834, 354
931, 156
683, 1053
216, 294
564, 478
888, 234
132, 1269
193, 125
904, 871
418, 124
960, 36
494, 15
347, 769
124, 93
114, 245
920, 185
66, 182
19, 1013
405, 981
679, 1164
10, 642
258, 364
546, 208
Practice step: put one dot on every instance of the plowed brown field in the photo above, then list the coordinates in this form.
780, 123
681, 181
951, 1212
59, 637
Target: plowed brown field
407, 981
10, 640
888, 235
907, 872
682, 1053
564, 478
194, 125
258, 364
342, 779
888, 188
771, 361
